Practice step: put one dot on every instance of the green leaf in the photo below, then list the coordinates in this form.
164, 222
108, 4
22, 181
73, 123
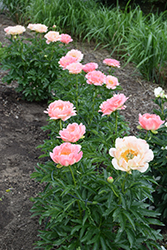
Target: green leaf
129, 217
103, 244
131, 237
76, 228
95, 238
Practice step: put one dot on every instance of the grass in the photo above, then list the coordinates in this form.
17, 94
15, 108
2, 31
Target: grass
136, 37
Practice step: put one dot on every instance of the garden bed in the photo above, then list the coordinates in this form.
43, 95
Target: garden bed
20, 126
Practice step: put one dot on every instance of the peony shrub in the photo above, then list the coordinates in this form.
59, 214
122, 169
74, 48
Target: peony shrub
97, 191
33, 62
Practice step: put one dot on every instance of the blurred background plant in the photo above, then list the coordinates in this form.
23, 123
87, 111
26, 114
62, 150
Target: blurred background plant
16, 9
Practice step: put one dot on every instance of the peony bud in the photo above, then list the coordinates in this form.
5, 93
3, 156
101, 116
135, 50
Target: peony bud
110, 179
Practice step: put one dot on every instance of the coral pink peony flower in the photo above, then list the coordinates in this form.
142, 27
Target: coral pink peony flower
60, 110
131, 153
66, 154
73, 132
90, 67
75, 53
75, 68
65, 38
112, 62
66, 60
41, 28
114, 103
95, 77
111, 82
52, 36
15, 30
150, 121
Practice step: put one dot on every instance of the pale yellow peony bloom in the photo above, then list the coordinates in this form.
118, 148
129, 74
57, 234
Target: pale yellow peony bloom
15, 30
131, 153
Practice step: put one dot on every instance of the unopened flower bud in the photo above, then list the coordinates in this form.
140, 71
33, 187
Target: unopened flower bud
110, 179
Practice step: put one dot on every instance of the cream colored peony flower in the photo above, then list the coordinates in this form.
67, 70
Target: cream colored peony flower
131, 153
15, 30
159, 92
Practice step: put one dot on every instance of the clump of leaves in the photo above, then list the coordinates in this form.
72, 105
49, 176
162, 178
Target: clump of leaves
34, 65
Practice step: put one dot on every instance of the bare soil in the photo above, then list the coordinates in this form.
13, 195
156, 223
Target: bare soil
20, 134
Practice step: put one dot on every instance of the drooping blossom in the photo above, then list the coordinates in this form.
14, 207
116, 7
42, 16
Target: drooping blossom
15, 30
60, 110
90, 67
111, 62
95, 77
73, 132
150, 121
131, 153
38, 27
65, 38
75, 53
52, 36
111, 82
75, 68
114, 103
66, 60
66, 154
159, 92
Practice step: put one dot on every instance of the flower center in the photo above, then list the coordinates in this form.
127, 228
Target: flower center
129, 154
65, 152
60, 107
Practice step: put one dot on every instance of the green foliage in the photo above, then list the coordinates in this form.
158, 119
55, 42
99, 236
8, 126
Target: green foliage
17, 9
93, 214
34, 65
158, 165
146, 44
2, 51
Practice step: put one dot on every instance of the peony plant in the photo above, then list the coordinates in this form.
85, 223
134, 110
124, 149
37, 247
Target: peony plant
97, 176
33, 61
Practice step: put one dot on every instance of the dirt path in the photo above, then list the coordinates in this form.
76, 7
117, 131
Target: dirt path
20, 133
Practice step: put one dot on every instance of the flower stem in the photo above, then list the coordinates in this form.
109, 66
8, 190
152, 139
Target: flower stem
116, 123
77, 93
60, 122
75, 186
123, 184
114, 191
93, 103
